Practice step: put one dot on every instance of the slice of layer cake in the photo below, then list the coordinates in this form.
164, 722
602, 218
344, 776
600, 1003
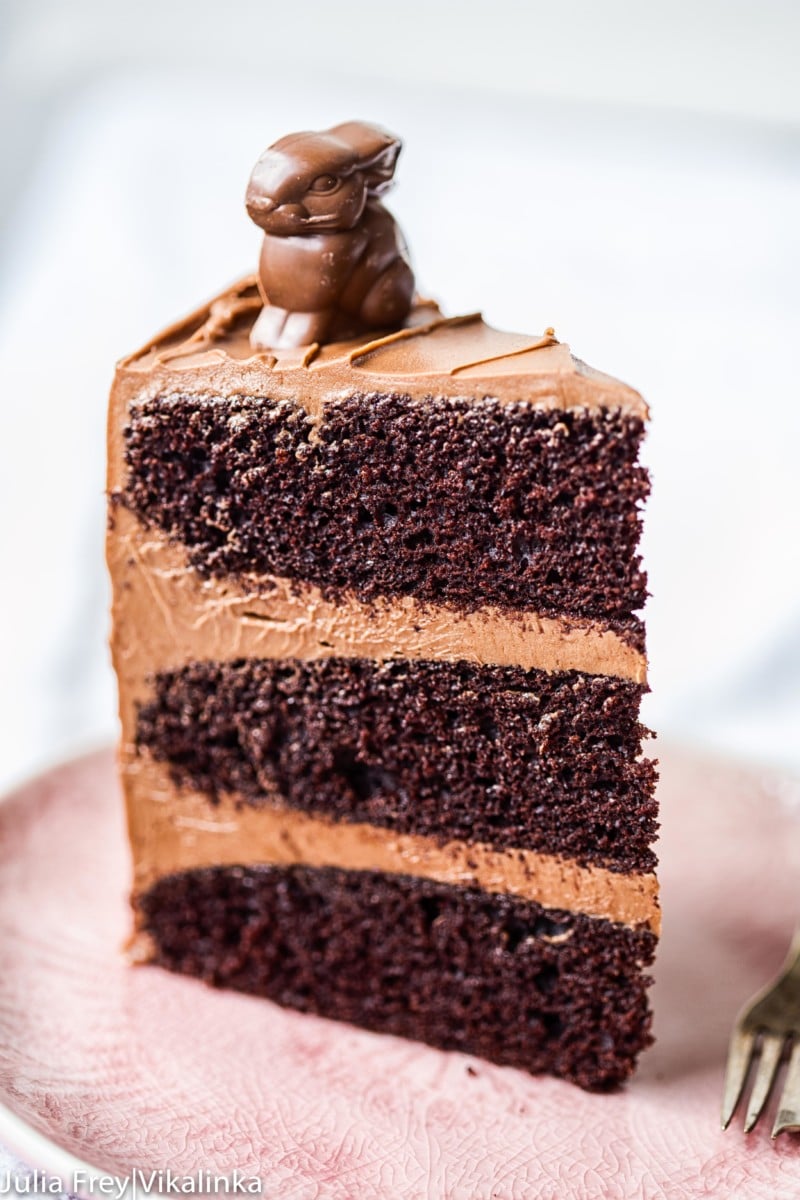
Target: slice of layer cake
380, 671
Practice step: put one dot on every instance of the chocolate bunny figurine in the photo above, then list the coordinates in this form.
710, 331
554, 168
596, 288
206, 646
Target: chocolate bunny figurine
333, 262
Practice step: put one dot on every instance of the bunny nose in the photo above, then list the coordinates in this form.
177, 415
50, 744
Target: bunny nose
262, 204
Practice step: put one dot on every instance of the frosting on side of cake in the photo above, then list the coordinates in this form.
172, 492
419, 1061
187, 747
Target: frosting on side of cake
431, 355
176, 830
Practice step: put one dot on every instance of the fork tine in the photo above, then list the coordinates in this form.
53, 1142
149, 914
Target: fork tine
789, 1108
771, 1050
739, 1056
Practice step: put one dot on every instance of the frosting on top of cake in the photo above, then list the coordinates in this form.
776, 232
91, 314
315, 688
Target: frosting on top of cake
430, 355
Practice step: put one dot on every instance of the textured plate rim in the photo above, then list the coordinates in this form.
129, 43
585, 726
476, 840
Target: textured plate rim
36, 1150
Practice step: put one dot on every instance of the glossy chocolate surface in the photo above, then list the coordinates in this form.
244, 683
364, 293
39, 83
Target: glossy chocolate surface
333, 261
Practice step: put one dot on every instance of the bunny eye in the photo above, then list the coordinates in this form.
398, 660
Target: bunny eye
324, 183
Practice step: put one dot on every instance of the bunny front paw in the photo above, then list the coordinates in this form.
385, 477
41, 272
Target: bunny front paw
277, 329
301, 329
267, 331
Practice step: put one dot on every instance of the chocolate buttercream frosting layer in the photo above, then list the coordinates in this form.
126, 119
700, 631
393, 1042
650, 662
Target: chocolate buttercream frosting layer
531, 987
177, 829
167, 614
453, 750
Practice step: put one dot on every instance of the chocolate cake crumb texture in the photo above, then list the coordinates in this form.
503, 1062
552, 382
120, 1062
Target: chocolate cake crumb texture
501, 755
456, 501
502, 978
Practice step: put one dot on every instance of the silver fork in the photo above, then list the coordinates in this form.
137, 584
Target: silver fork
768, 1027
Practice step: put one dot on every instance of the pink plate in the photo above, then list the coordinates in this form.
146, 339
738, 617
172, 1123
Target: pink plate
127, 1068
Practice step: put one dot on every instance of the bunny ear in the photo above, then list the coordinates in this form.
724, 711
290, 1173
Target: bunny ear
376, 152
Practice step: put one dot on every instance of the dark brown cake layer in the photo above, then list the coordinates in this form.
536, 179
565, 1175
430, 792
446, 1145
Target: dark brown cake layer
502, 978
499, 755
447, 501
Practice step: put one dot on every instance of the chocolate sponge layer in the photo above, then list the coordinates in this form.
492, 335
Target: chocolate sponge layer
529, 987
499, 755
455, 501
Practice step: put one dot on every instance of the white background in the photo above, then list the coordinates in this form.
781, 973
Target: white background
627, 172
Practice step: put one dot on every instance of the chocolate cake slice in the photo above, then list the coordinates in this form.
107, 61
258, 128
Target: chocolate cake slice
375, 627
